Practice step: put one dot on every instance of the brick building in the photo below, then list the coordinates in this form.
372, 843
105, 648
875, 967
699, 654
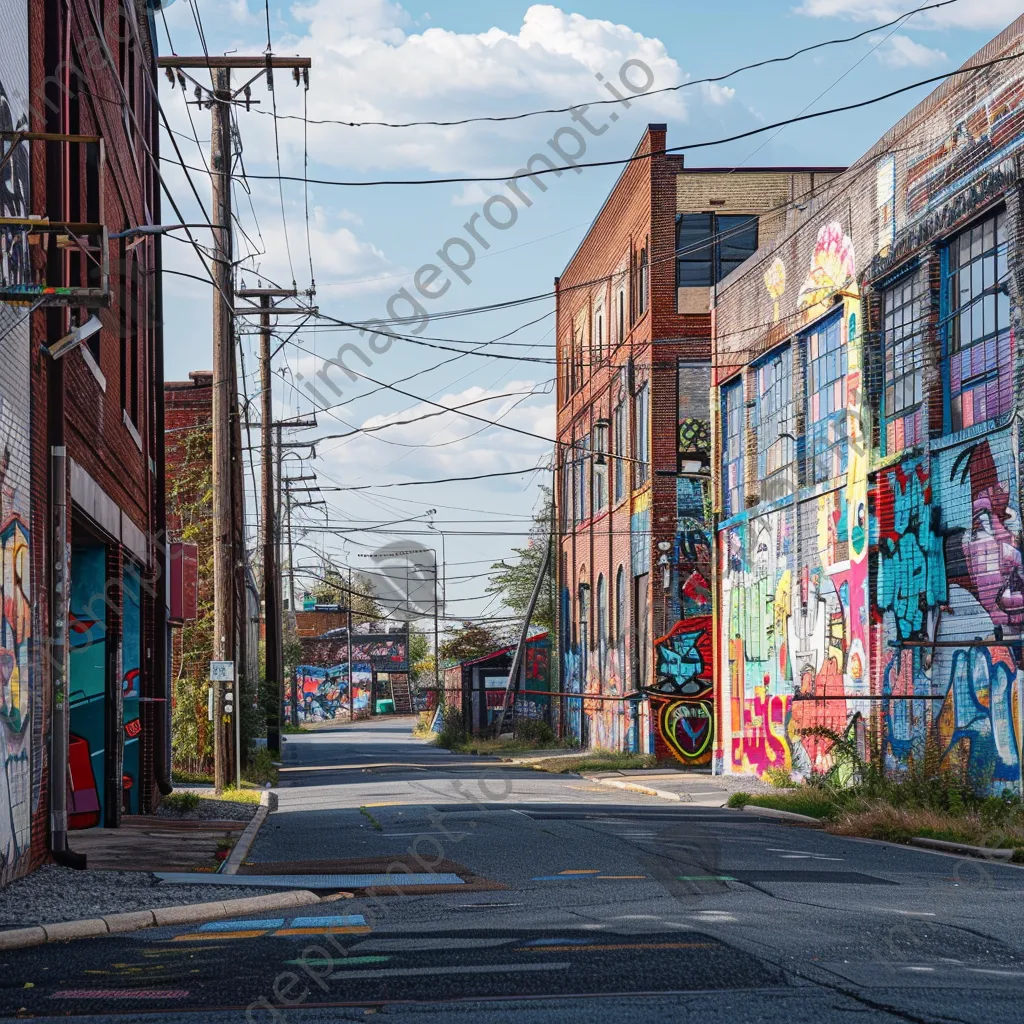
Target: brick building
83, 630
188, 417
632, 465
867, 441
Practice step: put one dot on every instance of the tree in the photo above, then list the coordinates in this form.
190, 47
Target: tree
470, 640
514, 582
421, 658
333, 588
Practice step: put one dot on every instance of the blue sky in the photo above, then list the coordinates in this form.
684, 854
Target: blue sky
448, 59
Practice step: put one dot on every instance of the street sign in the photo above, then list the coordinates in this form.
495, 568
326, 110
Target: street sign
222, 671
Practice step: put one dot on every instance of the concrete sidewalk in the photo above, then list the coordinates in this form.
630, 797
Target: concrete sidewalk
680, 786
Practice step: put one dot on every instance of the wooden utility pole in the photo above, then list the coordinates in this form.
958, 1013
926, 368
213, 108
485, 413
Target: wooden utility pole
223, 398
272, 618
226, 557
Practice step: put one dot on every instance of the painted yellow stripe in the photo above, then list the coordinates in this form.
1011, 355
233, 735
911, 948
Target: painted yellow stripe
323, 931
213, 936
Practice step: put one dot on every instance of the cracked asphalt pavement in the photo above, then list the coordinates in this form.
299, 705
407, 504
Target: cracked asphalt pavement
595, 904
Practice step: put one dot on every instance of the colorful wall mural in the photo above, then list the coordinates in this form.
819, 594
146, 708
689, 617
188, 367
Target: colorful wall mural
794, 611
87, 685
21, 755
323, 693
131, 662
950, 606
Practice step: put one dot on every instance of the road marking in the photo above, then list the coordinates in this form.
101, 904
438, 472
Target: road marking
399, 944
598, 946
998, 974
338, 961
617, 878
115, 993
919, 969
414, 972
705, 878
581, 871
252, 933
342, 921
236, 926
357, 930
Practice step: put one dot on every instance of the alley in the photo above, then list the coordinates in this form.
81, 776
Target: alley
567, 898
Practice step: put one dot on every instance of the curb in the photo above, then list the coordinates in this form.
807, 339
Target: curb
664, 794
771, 812
268, 803
972, 851
113, 924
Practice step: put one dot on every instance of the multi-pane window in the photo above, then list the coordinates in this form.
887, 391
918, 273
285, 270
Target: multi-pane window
644, 274
641, 449
602, 625
621, 336
620, 441
599, 472
599, 336
902, 342
826, 401
732, 448
977, 324
582, 456
773, 424
711, 245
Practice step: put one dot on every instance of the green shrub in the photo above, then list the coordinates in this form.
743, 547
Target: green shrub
261, 768
535, 732
739, 800
780, 778
181, 803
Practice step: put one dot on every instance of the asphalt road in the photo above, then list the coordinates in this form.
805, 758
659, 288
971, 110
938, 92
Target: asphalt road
582, 903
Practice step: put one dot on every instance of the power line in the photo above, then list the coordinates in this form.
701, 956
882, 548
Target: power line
652, 92
637, 157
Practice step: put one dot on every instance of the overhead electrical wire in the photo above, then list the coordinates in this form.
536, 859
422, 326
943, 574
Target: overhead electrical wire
653, 92
639, 157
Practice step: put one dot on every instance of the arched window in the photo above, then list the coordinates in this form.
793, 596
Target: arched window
599, 336
643, 281
601, 626
620, 616
621, 336
584, 610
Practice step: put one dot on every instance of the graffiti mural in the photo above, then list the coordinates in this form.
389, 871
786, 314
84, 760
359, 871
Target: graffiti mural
794, 617
323, 693
20, 756
131, 660
87, 685
950, 598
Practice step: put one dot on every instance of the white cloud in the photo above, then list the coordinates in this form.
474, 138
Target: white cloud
903, 52
368, 67
970, 14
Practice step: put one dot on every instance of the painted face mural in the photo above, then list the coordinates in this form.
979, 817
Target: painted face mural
991, 544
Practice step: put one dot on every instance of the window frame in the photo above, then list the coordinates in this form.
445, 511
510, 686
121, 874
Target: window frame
952, 317
710, 247
838, 447
778, 423
642, 435
620, 442
907, 348
733, 497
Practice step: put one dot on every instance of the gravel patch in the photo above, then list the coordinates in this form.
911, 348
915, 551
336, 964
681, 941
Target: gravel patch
52, 894
211, 810
743, 784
